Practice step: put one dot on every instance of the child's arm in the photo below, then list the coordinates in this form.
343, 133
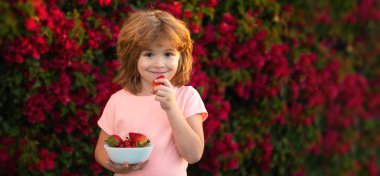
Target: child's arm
100, 153
188, 133
102, 158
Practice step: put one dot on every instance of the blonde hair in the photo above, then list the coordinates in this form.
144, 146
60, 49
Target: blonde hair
138, 32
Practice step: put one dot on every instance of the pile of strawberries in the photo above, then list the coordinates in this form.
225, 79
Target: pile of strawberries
134, 140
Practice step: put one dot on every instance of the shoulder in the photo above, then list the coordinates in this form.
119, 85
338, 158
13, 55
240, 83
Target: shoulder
118, 94
186, 90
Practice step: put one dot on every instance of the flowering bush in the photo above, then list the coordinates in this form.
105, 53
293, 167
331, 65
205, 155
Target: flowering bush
291, 88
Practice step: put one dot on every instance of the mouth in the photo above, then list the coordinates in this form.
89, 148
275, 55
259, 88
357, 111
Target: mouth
158, 73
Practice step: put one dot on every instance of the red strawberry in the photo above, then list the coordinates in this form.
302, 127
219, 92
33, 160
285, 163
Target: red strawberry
155, 83
138, 140
127, 143
114, 141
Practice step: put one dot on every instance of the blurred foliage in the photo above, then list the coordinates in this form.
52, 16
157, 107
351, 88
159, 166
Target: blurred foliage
292, 88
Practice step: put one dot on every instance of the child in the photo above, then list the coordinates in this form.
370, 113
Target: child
151, 44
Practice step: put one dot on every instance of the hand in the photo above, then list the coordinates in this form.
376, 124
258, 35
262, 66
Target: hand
125, 167
165, 94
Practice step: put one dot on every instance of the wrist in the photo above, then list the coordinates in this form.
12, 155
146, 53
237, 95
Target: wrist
172, 110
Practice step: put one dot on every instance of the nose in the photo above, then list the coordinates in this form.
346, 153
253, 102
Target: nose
158, 62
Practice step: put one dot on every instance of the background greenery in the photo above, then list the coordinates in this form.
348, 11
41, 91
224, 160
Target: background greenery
292, 87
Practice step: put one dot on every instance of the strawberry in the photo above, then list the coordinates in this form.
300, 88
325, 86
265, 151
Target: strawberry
114, 141
127, 143
155, 83
138, 140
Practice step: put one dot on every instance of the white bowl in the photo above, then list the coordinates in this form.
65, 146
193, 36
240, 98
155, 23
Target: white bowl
130, 155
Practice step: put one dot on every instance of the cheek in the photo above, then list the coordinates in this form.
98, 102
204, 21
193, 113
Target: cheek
140, 66
175, 63
174, 66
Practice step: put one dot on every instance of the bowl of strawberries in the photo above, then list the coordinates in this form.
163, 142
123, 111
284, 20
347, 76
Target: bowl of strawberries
133, 149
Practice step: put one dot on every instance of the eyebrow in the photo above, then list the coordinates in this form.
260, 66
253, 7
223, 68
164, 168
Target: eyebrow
171, 49
166, 50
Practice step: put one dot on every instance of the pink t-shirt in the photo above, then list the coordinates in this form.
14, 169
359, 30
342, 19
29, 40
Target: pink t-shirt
125, 112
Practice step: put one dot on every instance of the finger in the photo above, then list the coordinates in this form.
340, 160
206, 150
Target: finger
167, 83
162, 97
160, 93
159, 87
140, 166
163, 89
112, 166
135, 167
143, 164
125, 164
116, 166
164, 81
159, 98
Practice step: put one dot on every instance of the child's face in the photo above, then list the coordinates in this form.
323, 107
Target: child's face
160, 59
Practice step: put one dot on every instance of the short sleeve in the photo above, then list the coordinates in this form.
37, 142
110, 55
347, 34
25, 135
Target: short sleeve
194, 104
107, 119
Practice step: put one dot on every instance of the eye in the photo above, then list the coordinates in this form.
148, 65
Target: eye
148, 54
168, 54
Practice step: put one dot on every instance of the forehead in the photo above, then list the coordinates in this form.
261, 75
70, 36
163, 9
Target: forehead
163, 44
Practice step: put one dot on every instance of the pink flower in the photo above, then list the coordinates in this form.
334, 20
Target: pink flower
373, 167
37, 105
324, 17
267, 153
187, 13
41, 12
41, 165
314, 149
225, 28
96, 167
46, 160
227, 17
104, 2
175, 8
279, 119
67, 149
211, 3
81, 2
211, 126
3, 155
194, 28
299, 172
49, 164
260, 35
209, 34
288, 9
199, 50
30, 24
308, 121
231, 164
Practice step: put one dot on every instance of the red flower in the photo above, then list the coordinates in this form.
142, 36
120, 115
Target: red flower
67, 149
187, 14
372, 167
175, 8
194, 28
81, 2
209, 34
211, 3
231, 164
3, 155
104, 2
30, 24
267, 153
46, 160
211, 126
